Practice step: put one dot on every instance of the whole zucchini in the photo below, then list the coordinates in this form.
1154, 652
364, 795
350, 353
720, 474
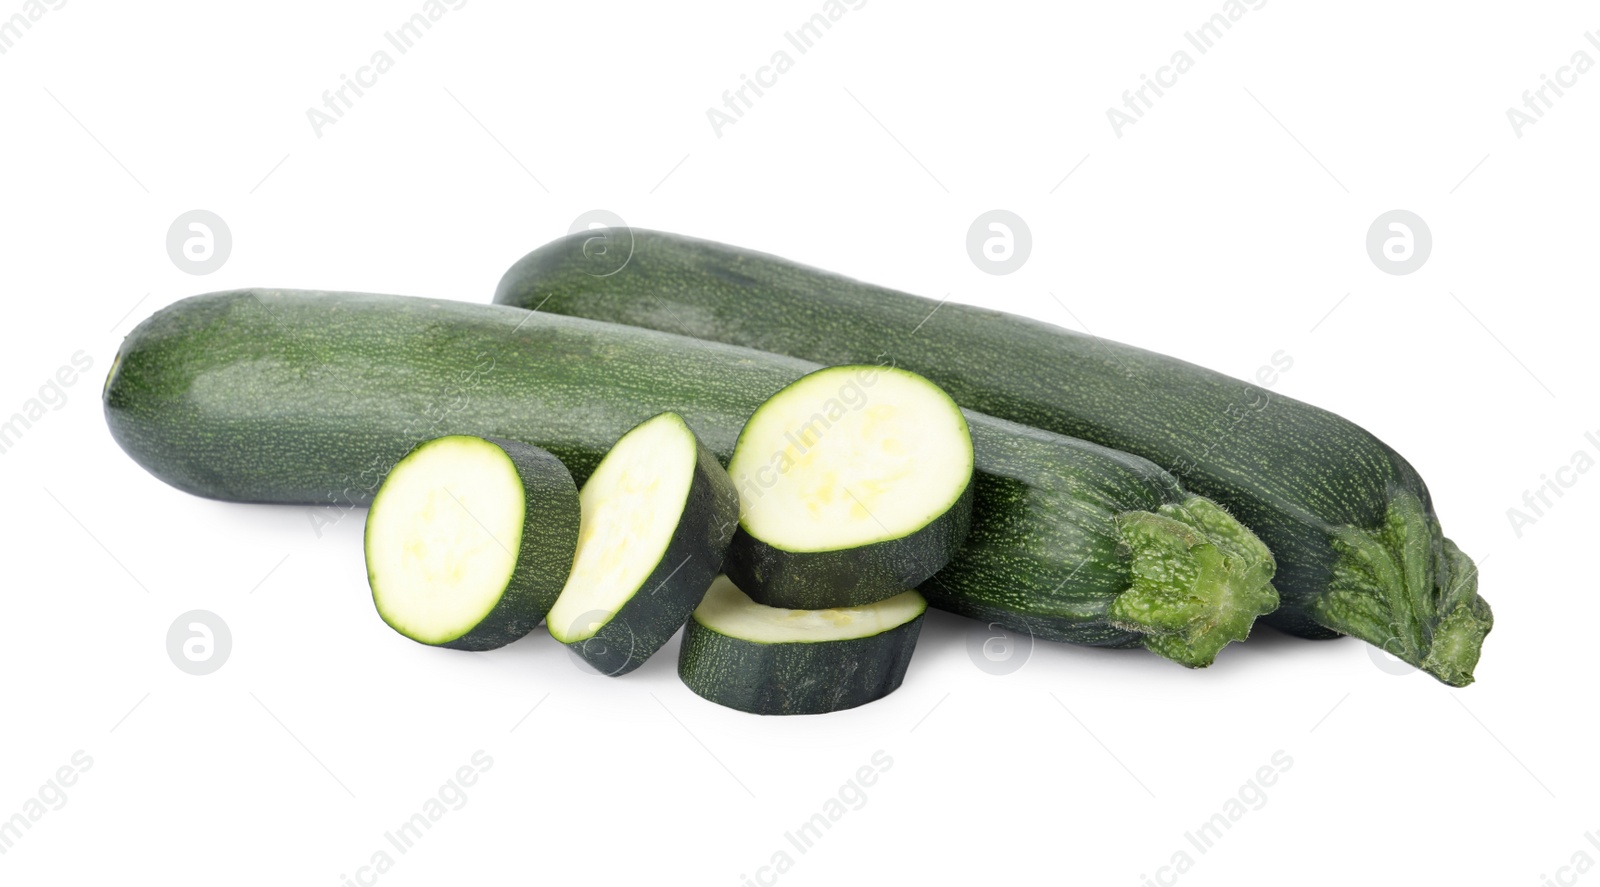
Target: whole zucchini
1351, 523
310, 397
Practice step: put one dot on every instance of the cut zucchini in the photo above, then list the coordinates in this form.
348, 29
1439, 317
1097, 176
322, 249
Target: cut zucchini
855, 484
773, 661
658, 514
469, 541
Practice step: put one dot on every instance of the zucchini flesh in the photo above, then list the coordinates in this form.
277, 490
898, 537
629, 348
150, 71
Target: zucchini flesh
1352, 525
657, 516
311, 397
469, 540
854, 484
776, 661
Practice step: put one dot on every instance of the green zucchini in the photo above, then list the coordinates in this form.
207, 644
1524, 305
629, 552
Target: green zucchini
1351, 523
311, 397
856, 484
658, 513
776, 661
469, 541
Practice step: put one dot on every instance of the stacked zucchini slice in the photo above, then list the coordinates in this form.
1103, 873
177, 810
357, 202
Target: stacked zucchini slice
777, 661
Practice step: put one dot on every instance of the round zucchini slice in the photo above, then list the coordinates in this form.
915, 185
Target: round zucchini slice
775, 661
855, 484
658, 514
469, 541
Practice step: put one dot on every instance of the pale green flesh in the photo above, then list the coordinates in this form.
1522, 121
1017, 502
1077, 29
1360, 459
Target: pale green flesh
849, 456
729, 611
631, 508
442, 537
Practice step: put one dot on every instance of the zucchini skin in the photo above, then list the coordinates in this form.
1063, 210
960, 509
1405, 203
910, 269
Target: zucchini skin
310, 397
795, 678
663, 602
545, 549
1349, 520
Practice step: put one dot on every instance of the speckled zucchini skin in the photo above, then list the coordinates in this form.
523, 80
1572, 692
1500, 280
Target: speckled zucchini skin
302, 396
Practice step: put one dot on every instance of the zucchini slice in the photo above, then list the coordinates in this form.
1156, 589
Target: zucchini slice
773, 661
469, 541
855, 484
658, 514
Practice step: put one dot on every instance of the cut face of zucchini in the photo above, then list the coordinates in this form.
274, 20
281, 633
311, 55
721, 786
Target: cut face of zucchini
658, 514
855, 484
775, 661
469, 541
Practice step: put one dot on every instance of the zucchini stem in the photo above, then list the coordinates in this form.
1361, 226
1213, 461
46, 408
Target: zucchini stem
1199, 580
1409, 590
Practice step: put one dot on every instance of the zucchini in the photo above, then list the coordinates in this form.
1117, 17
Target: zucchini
1351, 523
469, 541
657, 516
775, 661
311, 397
856, 484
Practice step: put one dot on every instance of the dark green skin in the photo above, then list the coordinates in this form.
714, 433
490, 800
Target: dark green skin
310, 397
664, 601
848, 577
795, 679
1350, 522
545, 549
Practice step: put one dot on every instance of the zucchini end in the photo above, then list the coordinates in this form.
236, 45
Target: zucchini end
1199, 580
1409, 590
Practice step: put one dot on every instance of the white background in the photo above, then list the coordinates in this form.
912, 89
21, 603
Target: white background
1223, 227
